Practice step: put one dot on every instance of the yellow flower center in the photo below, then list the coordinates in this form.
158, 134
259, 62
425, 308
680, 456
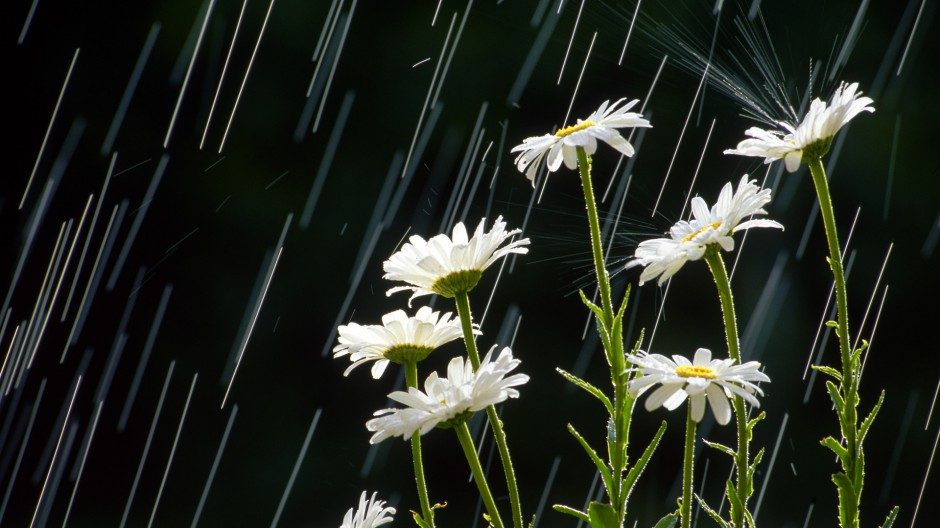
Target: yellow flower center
690, 236
567, 131
695, 371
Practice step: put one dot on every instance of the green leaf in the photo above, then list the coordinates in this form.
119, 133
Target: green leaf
639, 341
601, 466
754, 421
623, 305
419, 521
836, 397
859, 473
733, 498
669, 521
866, 423
753, 468
603, 516
891, 517
721, 447
712, 513
598, 312
857, 354
591, 389
848, 500
572, 512
836, 448
830, 371
630, 480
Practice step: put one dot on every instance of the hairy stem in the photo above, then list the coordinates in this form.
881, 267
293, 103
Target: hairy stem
615, 354
603, 280
849, 418
427, 513
742, 457
685, 509
466, 442
466, 321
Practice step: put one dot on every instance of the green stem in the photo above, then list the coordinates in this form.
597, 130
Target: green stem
615, 356
685, 509
466, 323
462, 300
849, 419
742, 457
835, 263
411, 380
603, 280
463, 435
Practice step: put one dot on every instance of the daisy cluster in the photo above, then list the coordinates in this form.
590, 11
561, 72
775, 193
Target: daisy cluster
447, 266
702, 378
439, 265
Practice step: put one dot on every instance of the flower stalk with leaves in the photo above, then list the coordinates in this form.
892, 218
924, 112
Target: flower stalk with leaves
709, 232
807, 142
699, 380
574, 145
451, 266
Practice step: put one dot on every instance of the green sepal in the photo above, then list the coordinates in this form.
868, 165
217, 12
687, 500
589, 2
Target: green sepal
561, 508
828, 370
832, 324
602, 516
721, 447
892, 515
713, 514
591, 389
461, 281
630, 480
836, 448
601, 466
669, 521
866, 423
848, 500
836, 397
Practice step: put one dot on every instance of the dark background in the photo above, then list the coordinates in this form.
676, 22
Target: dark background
214, 222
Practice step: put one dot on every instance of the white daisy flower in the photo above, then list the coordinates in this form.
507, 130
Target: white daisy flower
814, 133
448, 265
399, 339
371, 513
663, 257
561, 146
451, 400
700, 379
